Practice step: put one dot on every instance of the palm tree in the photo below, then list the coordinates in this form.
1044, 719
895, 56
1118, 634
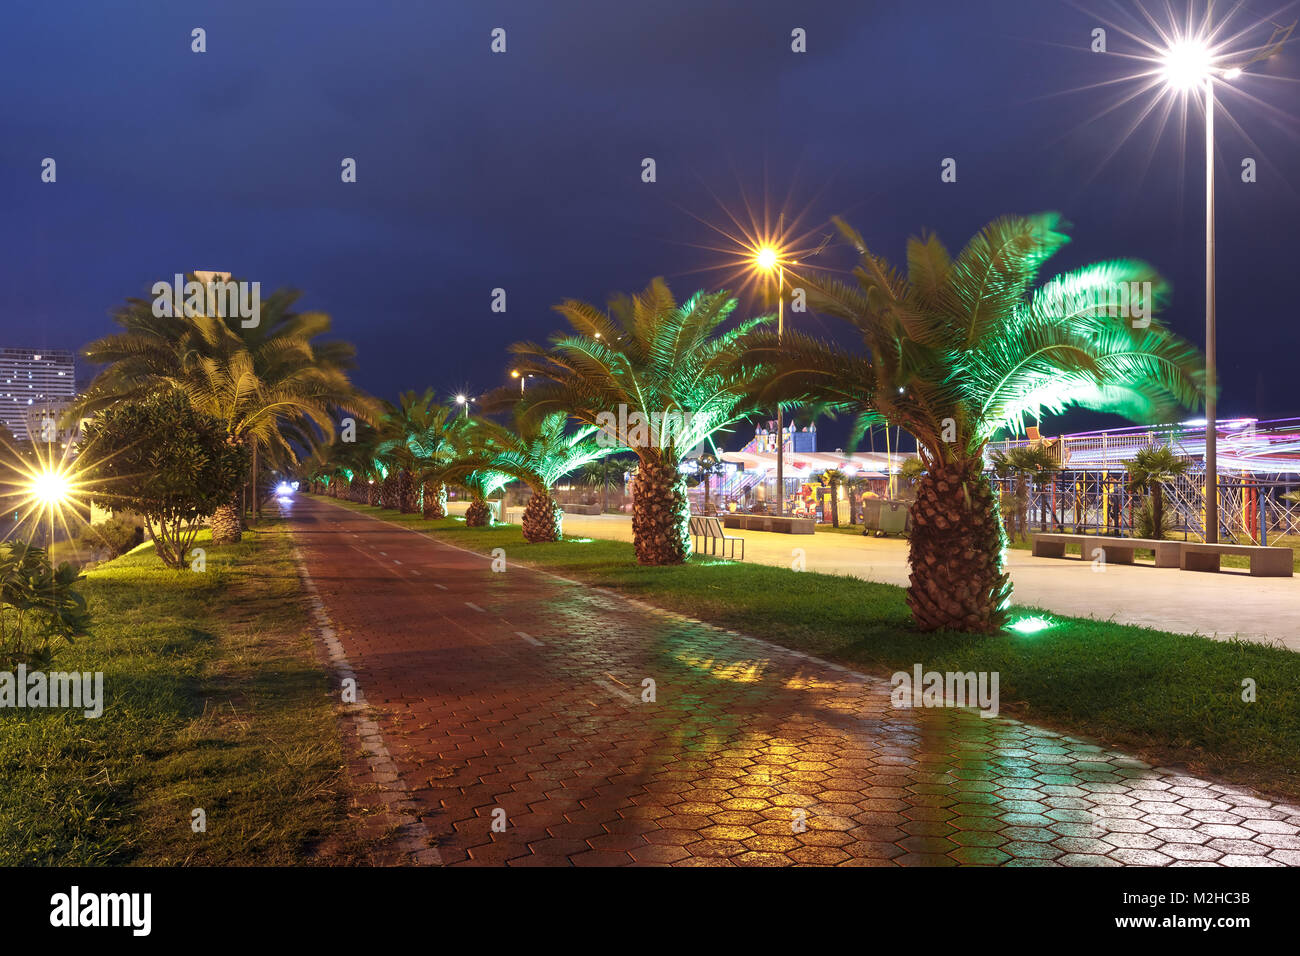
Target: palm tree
537, 452
600, 474
1148, 472
277, 390
960, 347
649, 357
1027, 463
834, 478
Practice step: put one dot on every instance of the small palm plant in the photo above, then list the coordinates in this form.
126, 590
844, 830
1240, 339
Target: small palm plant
962, 346
657, 360
537, 452
834, 478
1149, 470
1027, 463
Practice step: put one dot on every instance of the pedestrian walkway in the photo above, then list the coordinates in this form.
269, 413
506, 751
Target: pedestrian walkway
537, 721
1225, 605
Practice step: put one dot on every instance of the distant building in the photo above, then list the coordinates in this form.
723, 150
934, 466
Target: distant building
35, 386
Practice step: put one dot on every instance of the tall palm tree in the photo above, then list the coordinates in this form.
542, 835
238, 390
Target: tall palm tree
276, 389
960, 347
649, 356
1150, 469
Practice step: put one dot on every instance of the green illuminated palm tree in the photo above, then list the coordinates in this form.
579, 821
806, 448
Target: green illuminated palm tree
961, 347
537, 452
277, 390
649, 356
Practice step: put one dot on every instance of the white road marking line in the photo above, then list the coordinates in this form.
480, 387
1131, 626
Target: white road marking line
395, 561
415, 572
474, 606
418, 839
384, 553
531, 640
441, 587
615, 690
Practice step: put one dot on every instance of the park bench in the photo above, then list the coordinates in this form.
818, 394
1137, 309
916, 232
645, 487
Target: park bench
780, 524
1264, 562
710, 530
1114, 550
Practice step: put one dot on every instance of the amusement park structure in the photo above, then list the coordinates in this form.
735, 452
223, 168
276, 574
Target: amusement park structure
1258, 464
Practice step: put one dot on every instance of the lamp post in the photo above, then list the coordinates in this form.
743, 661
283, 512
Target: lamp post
522, 378
1188, 65
769, 260
464, 401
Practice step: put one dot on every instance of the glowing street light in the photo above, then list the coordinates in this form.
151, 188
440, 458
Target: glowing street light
1185, 60
767, 259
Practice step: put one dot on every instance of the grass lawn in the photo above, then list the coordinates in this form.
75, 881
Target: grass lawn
1170, 698
213, 700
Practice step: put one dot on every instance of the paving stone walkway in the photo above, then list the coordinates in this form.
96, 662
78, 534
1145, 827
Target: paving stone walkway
516, 699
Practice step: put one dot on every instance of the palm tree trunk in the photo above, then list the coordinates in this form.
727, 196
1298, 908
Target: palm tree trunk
435, 500
957, 580
660, 511
478, 514
543, 518
372, 493
835, 505
1157, 511
405, 492
226, 523
604, 486
257, 499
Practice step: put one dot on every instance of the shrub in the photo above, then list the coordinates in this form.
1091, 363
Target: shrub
113, 537
38, 604
165, 460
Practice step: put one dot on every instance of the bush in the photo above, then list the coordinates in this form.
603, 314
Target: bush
1145, 522
38, 605
163, 459
113, 537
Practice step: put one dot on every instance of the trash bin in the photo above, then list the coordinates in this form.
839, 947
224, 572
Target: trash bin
893, 517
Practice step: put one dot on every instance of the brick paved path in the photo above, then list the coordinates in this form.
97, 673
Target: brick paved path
520, 692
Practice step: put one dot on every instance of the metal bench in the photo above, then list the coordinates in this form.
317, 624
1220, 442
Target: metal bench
1114, 550
710, 529
1264, 562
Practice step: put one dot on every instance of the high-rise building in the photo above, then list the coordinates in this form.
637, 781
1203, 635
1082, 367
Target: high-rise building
35, 386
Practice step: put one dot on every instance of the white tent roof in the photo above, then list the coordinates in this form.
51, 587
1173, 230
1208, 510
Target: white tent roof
801, 464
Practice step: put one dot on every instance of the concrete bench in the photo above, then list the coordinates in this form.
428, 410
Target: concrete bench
710, 530
780, 524
1264, 562
1114, 550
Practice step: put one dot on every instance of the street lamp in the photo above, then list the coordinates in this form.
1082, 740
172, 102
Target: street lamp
767, 259
522, 378
1185, 66
464, 400
51, 487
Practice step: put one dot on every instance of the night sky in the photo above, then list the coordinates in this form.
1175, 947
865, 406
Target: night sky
522, 170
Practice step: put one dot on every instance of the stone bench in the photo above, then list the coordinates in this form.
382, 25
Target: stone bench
780, 524
1114, 550
1264, 562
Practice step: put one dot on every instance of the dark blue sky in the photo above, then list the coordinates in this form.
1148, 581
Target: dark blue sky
522, 170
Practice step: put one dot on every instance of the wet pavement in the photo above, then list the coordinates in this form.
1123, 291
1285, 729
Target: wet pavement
537, 721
